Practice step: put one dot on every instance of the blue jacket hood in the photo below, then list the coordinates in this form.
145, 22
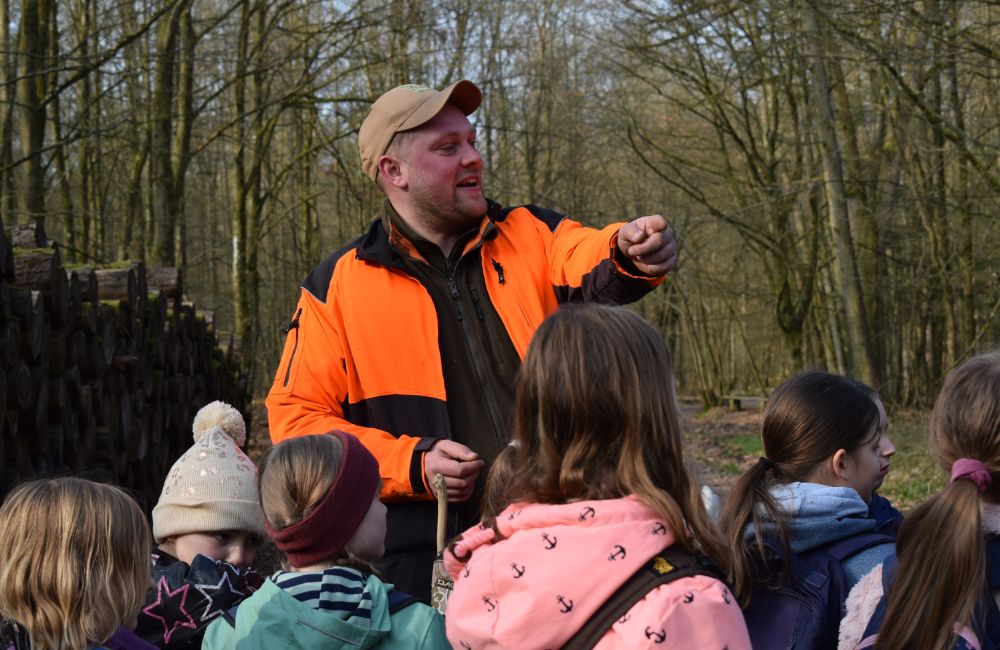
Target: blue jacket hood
817, 514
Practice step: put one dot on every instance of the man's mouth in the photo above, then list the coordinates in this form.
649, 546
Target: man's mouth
469, 182
884, 470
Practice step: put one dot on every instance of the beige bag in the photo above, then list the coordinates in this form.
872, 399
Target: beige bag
441, 582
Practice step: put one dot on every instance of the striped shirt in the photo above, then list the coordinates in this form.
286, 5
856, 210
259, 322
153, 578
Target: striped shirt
337, 589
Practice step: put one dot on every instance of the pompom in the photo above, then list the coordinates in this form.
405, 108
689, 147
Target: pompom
223, 416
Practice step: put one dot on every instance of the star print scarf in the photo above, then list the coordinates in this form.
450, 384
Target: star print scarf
185, 599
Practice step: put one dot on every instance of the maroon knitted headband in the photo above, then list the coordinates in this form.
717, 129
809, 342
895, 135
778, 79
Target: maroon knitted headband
327, 529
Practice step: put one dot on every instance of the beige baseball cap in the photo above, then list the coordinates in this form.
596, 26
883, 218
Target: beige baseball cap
407, 107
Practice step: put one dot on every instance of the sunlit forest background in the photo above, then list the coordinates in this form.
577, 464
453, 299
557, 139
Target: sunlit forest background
832, 169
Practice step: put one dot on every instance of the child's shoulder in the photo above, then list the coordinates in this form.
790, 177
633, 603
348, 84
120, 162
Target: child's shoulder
414, 624
696, 611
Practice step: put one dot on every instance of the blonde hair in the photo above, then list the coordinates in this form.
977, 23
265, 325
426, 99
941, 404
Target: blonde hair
293, 478
74, 561
941, 577
596, 417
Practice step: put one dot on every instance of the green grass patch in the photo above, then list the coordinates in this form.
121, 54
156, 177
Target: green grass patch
730, 468
743, 445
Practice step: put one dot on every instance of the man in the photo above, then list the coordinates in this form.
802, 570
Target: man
410, 336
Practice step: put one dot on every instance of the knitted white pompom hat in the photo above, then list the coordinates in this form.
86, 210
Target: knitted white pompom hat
213, 486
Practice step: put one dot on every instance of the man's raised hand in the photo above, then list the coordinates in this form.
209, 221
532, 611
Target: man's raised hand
650, 244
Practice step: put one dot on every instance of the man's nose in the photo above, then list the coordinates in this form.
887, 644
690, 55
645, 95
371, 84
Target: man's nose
472, 157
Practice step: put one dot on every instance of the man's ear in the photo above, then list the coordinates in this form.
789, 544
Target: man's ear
841, 464
391, 171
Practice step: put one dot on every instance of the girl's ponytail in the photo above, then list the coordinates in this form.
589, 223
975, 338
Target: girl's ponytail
750, 502
941, 546
942, 568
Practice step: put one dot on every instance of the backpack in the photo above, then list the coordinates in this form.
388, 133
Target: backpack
670, 564
805, 610
964, 638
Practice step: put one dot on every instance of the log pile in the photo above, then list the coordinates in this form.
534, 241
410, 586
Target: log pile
101, 370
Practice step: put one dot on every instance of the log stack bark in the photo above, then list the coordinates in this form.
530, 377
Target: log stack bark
102, 369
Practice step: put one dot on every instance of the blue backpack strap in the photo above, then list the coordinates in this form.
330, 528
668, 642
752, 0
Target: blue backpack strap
400, 600
230, 615
847, 547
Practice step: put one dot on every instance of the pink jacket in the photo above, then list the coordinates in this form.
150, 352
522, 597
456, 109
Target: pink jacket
557, 566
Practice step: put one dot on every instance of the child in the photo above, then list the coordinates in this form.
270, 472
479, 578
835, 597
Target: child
73, 566
945, 588
598, 489
208, 525
799, 517
320, 500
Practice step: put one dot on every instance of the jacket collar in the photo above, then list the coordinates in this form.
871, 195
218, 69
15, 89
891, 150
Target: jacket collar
377, 245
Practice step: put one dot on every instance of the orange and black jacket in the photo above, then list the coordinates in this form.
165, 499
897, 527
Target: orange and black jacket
362, 349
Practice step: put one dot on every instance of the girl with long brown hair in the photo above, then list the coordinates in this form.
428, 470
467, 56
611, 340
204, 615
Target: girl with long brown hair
800, 515
944, 582
597, 487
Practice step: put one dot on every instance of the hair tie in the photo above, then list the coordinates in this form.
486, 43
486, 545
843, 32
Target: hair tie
972, 470
766, 463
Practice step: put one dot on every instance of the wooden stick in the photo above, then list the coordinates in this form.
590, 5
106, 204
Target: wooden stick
441, 491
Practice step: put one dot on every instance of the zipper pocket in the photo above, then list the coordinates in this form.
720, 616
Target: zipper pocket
294, 325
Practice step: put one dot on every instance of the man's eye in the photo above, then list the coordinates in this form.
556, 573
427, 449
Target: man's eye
222, 537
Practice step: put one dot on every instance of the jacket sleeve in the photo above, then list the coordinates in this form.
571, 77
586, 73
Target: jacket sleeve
586, 265
310, 388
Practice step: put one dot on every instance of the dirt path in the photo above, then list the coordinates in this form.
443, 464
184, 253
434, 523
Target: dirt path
720, 444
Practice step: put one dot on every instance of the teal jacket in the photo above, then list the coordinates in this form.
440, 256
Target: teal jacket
273, 618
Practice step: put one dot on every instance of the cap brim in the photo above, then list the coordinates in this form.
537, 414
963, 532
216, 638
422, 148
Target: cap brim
463, 94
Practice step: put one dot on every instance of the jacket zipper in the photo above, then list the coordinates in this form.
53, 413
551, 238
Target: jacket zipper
499, 269
294, 325
470, 343
475, 301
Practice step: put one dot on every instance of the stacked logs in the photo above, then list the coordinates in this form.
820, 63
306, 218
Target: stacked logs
101, 370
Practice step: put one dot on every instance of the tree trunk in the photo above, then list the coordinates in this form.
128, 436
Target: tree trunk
33, 36
846, 273
165, 205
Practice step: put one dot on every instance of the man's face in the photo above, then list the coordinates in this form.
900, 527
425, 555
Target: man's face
443, 173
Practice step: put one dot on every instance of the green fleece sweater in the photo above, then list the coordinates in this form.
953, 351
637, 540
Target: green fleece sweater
274, 618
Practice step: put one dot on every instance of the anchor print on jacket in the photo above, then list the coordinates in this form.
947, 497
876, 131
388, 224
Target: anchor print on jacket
556, 565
